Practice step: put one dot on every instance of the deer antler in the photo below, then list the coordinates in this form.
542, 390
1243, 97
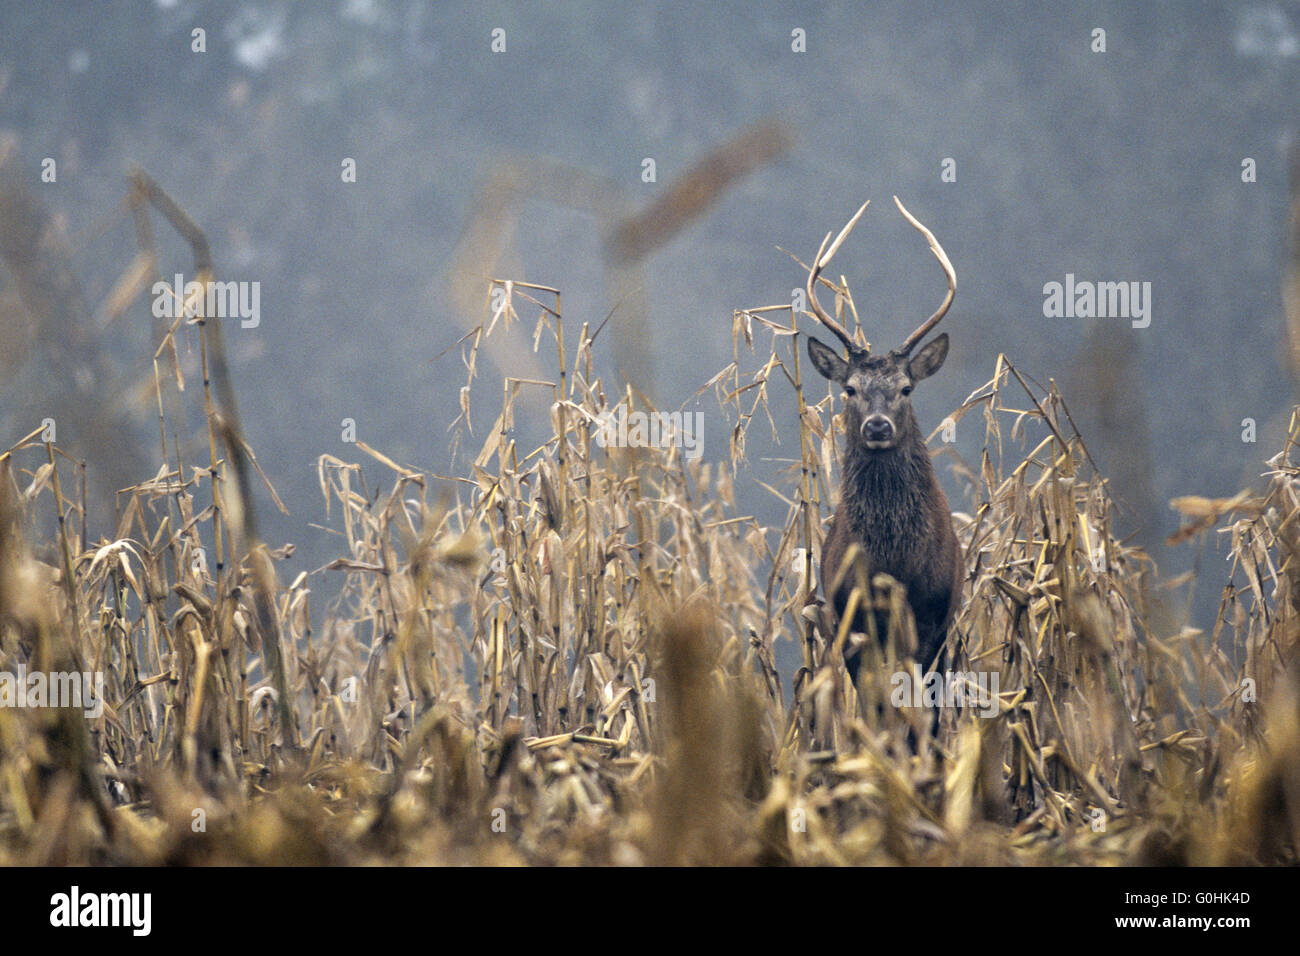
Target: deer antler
942, 256
823, 259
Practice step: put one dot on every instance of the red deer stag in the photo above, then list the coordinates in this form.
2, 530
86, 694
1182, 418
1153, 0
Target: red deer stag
891, 506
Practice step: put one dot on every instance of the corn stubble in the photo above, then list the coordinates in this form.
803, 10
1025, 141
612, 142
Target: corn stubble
566, 654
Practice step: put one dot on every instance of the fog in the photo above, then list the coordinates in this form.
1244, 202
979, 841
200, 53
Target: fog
1038, 149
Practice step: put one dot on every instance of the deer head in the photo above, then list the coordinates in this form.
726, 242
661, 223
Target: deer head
877, 387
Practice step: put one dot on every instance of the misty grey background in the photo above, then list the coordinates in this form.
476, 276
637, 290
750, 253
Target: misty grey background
1123, 165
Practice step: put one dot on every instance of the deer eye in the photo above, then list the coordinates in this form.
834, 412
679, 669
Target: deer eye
907, 389
850, 391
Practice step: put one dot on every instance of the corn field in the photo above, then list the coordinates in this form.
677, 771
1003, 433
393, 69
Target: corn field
567, 653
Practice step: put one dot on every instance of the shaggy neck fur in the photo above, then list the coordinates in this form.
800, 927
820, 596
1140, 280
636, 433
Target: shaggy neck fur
887, 497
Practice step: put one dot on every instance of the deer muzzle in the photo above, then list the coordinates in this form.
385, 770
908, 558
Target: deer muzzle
878, 431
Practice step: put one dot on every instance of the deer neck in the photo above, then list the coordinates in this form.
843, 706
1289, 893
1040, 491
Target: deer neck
887, 495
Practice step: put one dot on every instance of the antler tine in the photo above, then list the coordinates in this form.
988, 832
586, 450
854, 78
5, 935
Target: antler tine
942, 256
823, 259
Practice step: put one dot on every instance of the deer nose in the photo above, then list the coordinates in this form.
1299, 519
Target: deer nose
877, 428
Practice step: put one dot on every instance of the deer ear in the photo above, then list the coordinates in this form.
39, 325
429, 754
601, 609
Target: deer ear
929, 360
826, 361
